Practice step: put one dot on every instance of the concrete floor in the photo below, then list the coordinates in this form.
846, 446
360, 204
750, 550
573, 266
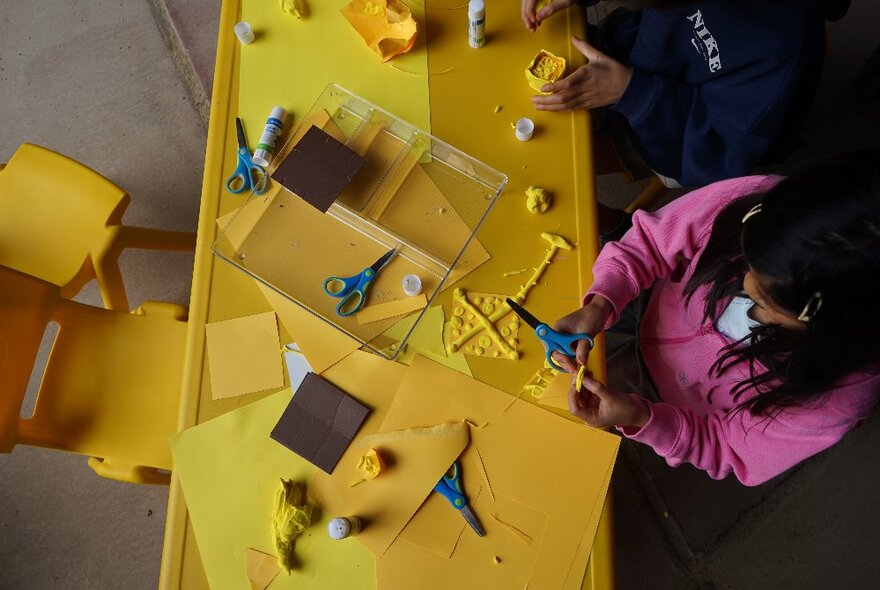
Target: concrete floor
122, 87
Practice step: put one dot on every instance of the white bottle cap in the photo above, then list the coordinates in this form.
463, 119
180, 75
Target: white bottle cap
476, 6
524, 129
338, 528
244, 33
412, 285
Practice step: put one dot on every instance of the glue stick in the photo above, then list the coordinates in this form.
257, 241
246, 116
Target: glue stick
273, 130
477, 23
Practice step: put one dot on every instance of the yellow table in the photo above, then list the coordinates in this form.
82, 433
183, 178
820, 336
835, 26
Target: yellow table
464, 88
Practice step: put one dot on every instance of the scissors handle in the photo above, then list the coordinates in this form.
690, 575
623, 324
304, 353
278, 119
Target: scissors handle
554, 341
350, 289
450, 487
247, 175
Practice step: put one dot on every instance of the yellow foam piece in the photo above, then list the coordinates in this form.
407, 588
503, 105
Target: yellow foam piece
579, 378
244, 355
220, 455
261, 568
391, 309
569, 467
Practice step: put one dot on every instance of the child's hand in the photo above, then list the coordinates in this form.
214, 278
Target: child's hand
532, 18
591, 319
601, 407
598, 83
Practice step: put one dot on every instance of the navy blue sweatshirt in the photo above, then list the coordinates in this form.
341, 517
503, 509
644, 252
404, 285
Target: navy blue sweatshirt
719, 86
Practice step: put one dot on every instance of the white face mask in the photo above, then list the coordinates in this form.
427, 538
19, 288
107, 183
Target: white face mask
735, 322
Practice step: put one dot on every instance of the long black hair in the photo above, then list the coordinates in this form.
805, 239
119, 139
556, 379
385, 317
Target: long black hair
816, 241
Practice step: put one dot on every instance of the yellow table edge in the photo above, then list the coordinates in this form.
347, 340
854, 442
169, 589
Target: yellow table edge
600, 571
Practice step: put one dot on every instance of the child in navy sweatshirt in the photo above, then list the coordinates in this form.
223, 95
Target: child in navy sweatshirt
704, 90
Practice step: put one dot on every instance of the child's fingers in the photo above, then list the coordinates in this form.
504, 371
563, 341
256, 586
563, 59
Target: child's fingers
564, 361
595, 387
583, 352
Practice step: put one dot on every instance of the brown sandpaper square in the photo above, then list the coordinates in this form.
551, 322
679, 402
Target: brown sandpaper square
318, 168
319, 422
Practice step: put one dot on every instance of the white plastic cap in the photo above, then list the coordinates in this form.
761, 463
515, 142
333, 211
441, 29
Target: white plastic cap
477, 5
278, 113
524, 129
412, 285
338, 528
244, 32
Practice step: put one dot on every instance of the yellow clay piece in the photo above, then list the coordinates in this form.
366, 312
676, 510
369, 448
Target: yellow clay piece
371, 464
458, 311
478, 300
488, 308
537, 200
579, 379
290, 517
467, 326
543, 69
373, 9
496, 560
479, 351
498, 109
456, 322
511, 273
456, 333
557, 241
496, 353
295, 8
485, 341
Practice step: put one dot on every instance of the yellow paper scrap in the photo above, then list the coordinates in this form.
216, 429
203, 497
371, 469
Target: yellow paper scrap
555, 395
261, 568
290, 517
391, 309
388, 28
420, 456
514, 531
244, 355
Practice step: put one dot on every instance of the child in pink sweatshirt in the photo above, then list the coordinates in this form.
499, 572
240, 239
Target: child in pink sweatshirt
762, 331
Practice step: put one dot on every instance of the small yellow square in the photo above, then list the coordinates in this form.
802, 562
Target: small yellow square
244, 355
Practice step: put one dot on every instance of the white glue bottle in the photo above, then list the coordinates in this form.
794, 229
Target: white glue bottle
477, 23
273, 130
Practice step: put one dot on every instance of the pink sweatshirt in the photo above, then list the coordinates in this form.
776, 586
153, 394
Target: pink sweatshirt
695, 423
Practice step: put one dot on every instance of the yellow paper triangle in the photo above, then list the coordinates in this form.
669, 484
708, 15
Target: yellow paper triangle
261, 568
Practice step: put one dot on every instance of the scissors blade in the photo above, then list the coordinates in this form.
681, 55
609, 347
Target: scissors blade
377, 266
239, 132
471, 519
526, 316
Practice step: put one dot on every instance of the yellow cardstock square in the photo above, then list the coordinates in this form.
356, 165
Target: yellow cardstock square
244, 355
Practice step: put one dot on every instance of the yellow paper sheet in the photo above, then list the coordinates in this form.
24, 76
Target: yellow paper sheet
391, 309
267, 80
568, 467
555, 395
229, 470
244, 355
322, 345
261, 568
406, 566
417, 459
426, 340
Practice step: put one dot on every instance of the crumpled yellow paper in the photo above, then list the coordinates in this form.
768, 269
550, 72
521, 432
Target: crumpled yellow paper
387, 27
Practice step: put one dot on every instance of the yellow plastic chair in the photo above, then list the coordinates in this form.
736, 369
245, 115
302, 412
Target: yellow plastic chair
62, 222
111, 386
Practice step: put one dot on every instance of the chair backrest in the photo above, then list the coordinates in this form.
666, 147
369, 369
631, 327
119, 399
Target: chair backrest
53, 212
26, 307
112, 383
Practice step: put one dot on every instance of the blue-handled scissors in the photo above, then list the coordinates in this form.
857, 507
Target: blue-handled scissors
248, 176
352, 290
450, 488
552, 340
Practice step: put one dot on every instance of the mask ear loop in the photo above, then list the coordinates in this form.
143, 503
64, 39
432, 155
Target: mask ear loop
814, 304
753, 211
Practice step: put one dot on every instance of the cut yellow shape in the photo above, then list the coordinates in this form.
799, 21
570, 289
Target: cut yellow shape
261, 568
391, 309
